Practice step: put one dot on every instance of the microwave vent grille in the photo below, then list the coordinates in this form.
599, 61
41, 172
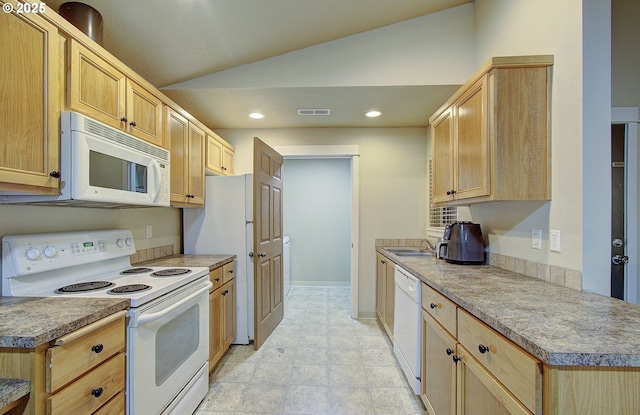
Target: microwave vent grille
126, 140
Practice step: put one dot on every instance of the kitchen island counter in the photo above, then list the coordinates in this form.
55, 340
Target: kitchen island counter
28, 322
560, 326
191, 260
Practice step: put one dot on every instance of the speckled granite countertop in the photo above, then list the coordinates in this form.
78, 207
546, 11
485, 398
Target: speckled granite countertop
28, 322
558, 325
13, 389
181, 260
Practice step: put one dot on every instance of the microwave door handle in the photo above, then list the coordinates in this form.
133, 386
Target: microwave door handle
147, 318
156, 173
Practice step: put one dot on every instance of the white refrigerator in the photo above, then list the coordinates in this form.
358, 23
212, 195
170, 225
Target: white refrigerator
225, 226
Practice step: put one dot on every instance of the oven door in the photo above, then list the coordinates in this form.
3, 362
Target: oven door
105, 172
168, 344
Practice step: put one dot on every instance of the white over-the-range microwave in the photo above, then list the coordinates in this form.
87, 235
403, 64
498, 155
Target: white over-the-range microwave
101, 166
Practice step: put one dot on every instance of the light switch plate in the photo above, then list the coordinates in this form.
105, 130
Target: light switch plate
149, 231
536, 238
555, 241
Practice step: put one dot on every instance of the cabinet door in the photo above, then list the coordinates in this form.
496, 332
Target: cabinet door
196, 165
227, 161
30, 117
177, 133
389, 297
216, 327
438, 368
480, 393
229, 299
96, 88
442, 157
381, 270
214, 155
144, 114
471, 153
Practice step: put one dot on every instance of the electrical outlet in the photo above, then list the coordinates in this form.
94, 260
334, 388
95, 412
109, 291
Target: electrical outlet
536, 238
555, 241
149, 231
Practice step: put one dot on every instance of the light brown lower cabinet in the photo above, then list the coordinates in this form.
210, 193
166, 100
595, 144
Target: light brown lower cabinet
470, 369
385, 292
222, 312
82, 372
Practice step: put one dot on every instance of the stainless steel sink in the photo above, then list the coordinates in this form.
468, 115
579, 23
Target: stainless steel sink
404, 251
414, 253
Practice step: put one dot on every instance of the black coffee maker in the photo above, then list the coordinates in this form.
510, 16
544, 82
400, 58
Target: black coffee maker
462, 244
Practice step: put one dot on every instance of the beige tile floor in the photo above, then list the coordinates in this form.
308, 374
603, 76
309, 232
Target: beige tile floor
317, 361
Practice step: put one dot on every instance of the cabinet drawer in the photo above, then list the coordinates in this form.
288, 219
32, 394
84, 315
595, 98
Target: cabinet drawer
91, 391
79, 352
518, 371
216, 278
440, 307
228, 271
116, 406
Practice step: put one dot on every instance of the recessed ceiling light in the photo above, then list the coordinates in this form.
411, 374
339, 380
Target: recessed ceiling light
373, 114
256, 115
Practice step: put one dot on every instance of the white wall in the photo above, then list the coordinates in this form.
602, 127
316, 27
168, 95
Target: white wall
579, 149
392, 183
317, 217
166, 222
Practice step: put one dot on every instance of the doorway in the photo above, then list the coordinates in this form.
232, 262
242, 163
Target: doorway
350, 153
624, 201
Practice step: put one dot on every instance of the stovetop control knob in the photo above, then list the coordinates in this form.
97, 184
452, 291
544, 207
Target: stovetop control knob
50, 251
33, 253
128, 241
120, 242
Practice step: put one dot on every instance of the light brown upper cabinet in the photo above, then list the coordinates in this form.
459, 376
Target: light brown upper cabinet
491, 139
219, 157
32, 94
186, 143
99, 90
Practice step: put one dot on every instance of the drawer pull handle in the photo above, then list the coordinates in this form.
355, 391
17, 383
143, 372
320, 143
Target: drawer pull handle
456, 359
482, 348
433, 305
449, 351
97, 392
97, 348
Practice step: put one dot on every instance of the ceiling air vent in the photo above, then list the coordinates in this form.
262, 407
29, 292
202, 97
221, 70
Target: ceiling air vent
314, 111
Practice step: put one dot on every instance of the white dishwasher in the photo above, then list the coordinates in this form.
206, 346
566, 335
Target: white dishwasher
407, 325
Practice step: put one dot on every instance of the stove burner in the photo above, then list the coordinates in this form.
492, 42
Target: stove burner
131, 288
138, 270
171, 272
84, 287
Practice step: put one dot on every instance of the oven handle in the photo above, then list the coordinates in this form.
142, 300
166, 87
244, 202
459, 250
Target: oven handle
156, 316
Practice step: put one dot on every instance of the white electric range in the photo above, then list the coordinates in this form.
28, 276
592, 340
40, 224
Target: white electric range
167, 323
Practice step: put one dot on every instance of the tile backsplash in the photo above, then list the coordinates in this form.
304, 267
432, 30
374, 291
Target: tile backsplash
564, 276
142, 255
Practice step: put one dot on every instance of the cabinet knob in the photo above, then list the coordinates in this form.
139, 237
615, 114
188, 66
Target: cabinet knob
482, 348
225, 292
132, 123
97, 392
123, 119
448, 192
456, 358
230, 271
55, 174
97, 348
217, 279
453, 192
433, 305
449, 351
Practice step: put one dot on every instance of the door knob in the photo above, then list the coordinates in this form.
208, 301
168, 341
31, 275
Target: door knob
262, 254
620, 259
618, 243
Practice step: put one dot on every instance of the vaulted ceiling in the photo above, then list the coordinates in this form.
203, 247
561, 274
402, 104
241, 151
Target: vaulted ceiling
221, 59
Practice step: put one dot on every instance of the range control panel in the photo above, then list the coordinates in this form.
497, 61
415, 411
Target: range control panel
34, 253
